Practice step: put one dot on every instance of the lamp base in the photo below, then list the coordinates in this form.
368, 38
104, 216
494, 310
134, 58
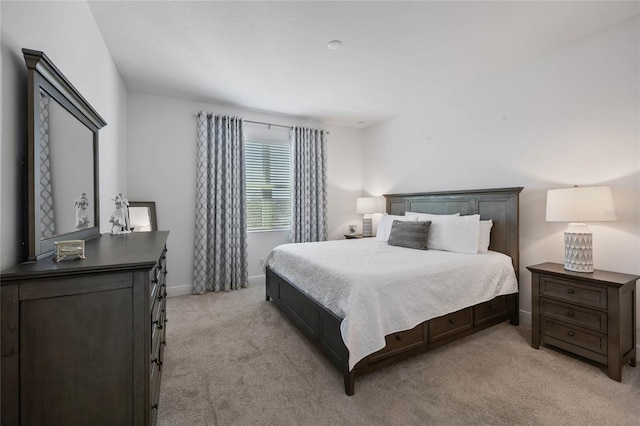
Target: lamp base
578, 252
367, 227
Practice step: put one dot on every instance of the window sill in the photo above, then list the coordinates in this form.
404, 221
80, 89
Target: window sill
268, 230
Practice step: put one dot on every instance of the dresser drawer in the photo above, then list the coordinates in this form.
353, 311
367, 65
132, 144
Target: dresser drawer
590, 340
154, 385
573, 292
154, 287
154, 357
399, 342
157, 324
154, 392
157, 301
487, 311
571, 314
444, 326
163, 346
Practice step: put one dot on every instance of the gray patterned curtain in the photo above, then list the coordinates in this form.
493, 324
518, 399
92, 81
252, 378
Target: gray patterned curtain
47, 219
309, 188
221, 223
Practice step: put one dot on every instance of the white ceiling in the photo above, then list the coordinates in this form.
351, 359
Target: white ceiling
273, 56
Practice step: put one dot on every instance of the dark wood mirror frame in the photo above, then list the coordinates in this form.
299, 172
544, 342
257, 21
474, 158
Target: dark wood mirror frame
42, 74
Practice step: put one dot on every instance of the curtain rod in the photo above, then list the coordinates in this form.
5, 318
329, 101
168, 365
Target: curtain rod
270, 124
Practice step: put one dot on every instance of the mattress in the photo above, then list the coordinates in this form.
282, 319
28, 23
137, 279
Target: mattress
379, 289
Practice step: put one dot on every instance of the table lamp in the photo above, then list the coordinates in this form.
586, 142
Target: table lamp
578, 205
367, 206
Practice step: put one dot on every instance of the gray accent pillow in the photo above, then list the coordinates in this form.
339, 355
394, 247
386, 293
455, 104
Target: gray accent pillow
409, 234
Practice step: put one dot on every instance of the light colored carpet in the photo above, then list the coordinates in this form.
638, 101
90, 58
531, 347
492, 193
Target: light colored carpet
235, 359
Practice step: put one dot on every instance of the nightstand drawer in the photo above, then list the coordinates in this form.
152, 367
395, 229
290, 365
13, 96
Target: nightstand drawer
442, 327
573, 292
575, 315
590, 340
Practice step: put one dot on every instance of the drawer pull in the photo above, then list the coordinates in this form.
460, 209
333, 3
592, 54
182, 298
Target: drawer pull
571, 333
154, 406
154, 322
451, 321
570, 291
160, 297
398, 337
570, 313
154, 361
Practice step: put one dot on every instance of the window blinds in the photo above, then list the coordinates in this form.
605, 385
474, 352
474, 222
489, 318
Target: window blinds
268, 180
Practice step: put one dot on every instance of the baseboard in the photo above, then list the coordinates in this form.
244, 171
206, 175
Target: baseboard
180, 290
525, 317
183, 290
257, 280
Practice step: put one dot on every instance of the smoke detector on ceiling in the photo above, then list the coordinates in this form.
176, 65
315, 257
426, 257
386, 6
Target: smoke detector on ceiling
334, 44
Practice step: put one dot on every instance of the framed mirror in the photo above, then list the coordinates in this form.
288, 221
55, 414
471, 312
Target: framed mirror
142, 216
62, 199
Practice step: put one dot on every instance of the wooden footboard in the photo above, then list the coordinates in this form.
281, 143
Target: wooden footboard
322, 327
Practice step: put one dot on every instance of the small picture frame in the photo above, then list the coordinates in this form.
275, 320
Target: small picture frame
69, 248
353, 229
142, 216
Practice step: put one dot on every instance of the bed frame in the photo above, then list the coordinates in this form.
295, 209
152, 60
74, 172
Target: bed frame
323, 326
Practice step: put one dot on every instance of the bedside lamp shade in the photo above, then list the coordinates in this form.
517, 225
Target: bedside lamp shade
578, 205
367, 206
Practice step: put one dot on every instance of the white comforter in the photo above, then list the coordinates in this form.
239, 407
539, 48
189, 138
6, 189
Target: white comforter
379, 289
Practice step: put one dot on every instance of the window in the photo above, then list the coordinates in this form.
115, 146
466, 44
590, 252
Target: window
268, 168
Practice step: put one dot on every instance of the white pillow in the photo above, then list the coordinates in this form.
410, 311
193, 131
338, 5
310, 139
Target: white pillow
455, 233
435, 228
386, 222
484, 235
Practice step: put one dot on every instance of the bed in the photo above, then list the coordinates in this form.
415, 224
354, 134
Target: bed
378, 341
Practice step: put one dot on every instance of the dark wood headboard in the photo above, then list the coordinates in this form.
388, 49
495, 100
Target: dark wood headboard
499, 204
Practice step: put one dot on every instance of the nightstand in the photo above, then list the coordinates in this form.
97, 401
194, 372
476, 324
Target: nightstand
589, 314
353, 236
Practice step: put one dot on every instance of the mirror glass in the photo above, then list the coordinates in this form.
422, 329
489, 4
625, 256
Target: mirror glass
67, 196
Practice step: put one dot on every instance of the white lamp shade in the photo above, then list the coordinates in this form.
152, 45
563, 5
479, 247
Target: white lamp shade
580, 204
368, 205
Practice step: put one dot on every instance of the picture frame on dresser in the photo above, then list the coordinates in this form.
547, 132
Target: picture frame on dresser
142, 216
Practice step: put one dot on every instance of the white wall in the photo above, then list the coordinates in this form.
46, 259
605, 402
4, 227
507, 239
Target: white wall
67, 33
161, 156
568, 117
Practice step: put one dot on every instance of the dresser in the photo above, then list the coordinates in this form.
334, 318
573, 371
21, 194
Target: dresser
589, 314
83, 340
